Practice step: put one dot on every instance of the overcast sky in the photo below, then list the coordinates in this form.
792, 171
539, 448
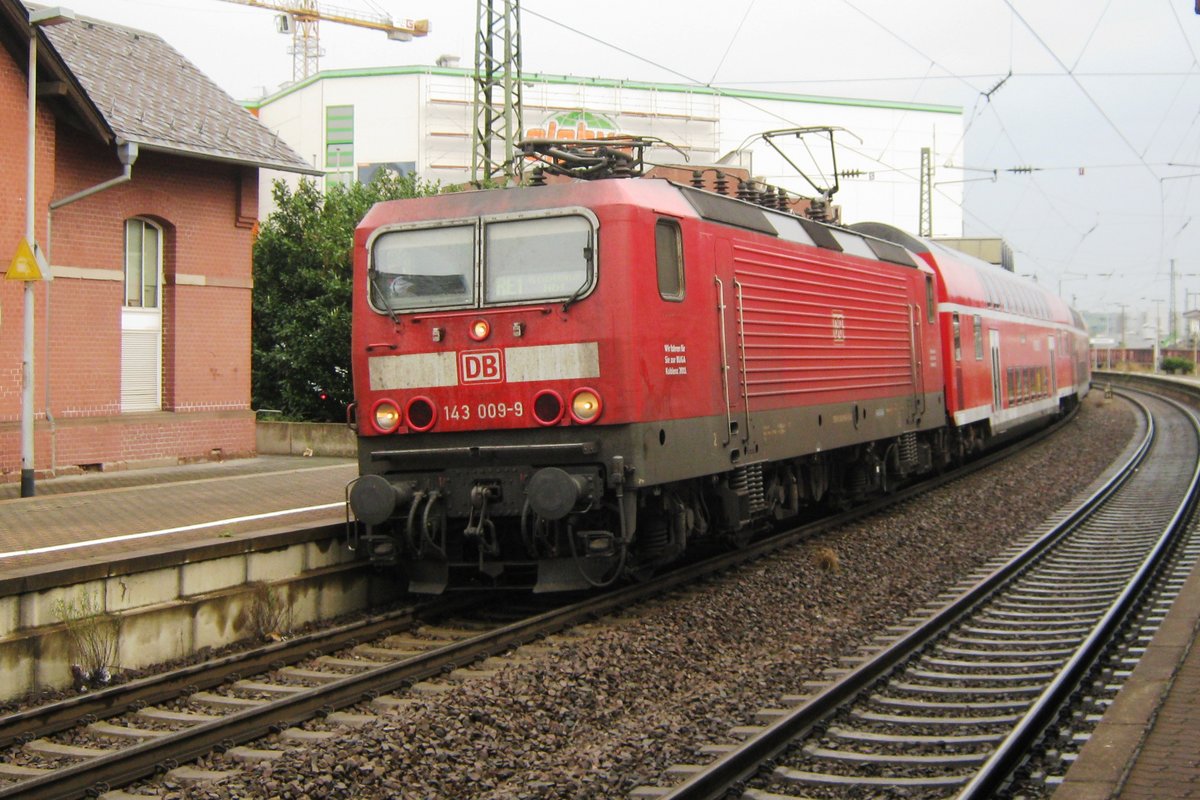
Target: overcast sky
1096, 102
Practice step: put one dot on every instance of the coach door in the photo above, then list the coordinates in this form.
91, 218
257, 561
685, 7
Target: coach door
1053, 369
994, 341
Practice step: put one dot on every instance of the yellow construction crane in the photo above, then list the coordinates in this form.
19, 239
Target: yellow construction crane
300, 18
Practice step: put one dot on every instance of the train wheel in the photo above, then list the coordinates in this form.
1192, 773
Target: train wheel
886, 482
942, 457
739, 538
638, 572
818, 481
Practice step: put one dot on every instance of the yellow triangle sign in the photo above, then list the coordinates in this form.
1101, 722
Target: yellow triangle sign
24, 266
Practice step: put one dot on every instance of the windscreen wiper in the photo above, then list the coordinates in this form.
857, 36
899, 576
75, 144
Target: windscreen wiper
379, 293
588, 255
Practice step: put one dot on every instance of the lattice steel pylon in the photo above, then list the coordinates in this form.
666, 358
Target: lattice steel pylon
300, 18
498, 125
925, 215
306, 42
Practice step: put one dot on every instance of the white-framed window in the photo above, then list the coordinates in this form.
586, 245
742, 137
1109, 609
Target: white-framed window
143, 263
141, 317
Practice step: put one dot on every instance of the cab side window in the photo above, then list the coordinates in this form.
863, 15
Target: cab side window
668, 252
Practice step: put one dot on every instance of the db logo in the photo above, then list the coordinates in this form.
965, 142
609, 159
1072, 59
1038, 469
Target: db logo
480, 366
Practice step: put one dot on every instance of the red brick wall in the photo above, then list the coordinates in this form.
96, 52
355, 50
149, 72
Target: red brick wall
206, 301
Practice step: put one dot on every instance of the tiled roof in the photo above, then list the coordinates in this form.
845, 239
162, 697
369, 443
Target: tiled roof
151, 95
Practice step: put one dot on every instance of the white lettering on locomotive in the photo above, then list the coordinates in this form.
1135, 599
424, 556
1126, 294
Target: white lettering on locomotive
481, 366
675, 359
839, 327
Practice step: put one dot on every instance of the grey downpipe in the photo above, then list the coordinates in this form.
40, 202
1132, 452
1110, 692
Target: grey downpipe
127, 152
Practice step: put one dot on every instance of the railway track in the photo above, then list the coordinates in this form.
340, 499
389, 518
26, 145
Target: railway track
1059, 746
952, 705
90, 744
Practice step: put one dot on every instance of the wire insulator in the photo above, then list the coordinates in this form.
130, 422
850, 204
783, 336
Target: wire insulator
721, 184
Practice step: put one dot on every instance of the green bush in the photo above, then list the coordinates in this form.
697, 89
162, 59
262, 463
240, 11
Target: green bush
1173, 364
300, 360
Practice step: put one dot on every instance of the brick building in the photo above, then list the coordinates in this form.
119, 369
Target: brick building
142, 337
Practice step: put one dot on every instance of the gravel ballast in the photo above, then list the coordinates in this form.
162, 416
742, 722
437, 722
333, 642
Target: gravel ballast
611, 706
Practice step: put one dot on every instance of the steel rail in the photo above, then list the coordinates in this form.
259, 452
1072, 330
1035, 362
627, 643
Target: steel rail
50, 718
143, 759
1009, 753
732, 770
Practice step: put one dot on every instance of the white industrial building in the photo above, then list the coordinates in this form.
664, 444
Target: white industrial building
350, 123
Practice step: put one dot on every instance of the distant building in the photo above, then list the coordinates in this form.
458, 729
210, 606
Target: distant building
143, 336
350, 123
992, 250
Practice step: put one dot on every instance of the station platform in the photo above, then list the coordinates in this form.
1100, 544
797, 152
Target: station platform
103, 516
1147, 746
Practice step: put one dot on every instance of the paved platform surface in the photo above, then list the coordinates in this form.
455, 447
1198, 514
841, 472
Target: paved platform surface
108, 514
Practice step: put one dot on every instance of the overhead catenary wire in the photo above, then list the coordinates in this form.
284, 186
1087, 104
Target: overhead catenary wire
1174, 8
982, 76
991, 92
689, 79
732, 40
842, 145
987, 95
1099, 109
1091, 35
717, 89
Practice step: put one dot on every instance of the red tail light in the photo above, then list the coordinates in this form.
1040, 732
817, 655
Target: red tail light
421, 414
548, 407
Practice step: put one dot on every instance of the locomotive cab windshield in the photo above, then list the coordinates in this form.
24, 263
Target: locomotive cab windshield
487, 262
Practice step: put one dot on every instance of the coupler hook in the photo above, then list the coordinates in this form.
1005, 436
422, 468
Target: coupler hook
482, 527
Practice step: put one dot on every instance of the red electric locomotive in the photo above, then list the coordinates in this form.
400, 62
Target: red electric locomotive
560, 385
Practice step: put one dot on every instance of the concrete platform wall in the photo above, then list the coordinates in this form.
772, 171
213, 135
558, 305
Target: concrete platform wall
157, 607
305, 438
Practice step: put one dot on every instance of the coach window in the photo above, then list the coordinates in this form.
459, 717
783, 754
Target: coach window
989, 291
978, 338
930, 300
668, 250
957, 337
